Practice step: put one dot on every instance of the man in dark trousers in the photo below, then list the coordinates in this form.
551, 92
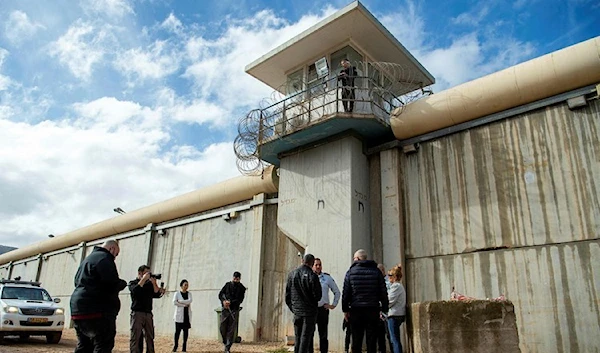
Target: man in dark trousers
327, 284
231, 296
302, 295
346, 77
95, 301
364, 297
143, 290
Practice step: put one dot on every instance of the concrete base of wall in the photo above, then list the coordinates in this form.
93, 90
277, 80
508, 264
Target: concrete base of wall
464, 326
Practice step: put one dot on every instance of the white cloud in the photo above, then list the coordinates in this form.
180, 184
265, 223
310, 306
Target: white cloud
407, 26
217, 67
173, 24
455, 64
158, 61
109, 113
5, 112
83, 46
4, 80
61, 176
472, 18
19, 27
110, 8
469, 55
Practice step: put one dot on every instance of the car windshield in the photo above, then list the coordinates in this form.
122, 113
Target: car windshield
22, 293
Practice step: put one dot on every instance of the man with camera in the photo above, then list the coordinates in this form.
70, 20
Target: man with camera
143, 289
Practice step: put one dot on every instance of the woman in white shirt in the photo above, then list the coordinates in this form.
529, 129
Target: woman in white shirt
183, 314
397, 310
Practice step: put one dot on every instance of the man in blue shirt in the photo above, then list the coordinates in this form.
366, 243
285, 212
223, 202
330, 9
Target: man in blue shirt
327, 284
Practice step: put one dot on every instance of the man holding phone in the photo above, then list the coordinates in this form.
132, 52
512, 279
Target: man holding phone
143, 290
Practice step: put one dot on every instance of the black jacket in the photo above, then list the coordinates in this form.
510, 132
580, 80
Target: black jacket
141, 296
364, 287
347, 76
97, 285
303, 291
234, 292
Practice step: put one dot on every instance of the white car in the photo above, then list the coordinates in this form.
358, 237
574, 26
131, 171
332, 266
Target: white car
28, 310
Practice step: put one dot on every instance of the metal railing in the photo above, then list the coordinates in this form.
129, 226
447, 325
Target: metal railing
325, 99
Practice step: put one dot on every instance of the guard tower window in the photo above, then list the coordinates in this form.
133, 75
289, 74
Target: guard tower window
295, 82
315, 83
346, 52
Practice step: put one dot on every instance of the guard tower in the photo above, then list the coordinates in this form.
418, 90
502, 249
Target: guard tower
308, 103
318, 143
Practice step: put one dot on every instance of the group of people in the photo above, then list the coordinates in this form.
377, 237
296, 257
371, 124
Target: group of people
95, 305
373, 302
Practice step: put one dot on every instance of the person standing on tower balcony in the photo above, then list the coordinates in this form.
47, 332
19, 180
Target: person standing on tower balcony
346, 77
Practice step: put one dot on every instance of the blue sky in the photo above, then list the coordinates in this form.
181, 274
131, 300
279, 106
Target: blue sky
124, 103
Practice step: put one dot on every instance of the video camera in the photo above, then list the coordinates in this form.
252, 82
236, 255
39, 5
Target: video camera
156, 275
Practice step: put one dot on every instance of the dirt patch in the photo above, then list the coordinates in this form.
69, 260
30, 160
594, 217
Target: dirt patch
163, 344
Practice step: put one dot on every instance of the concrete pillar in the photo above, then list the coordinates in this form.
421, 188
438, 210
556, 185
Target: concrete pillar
10, 269
39, 267
392, 213
149, 234
392, 228
254, 273
82, 251
375, 198
324, 206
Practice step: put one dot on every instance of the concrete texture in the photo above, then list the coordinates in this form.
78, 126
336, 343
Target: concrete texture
513, 208
464, 326
324, 207
279, 258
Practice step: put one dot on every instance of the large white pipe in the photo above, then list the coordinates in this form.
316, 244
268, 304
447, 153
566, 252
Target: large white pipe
561, 71
225, 193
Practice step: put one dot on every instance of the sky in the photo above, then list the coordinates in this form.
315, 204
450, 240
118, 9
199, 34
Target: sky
126, 103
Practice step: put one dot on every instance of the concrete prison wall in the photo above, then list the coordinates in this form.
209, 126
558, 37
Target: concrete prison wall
205, 249
512, 208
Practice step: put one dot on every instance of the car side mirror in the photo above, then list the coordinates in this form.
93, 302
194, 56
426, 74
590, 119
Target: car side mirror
56, 300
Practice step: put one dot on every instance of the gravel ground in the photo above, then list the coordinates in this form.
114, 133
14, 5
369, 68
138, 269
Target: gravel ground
162, 344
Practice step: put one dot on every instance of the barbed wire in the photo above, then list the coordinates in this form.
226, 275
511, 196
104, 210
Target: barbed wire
287, 110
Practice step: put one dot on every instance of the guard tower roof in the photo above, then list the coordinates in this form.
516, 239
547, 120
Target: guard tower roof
354, 22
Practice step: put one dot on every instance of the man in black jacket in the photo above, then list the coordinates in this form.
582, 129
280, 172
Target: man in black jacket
143, 290
231, 296
363, 298
302, 295
95, 301
346, 77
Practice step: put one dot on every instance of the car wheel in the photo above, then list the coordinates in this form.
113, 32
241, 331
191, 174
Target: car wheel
23, 337
1, 338
53, 337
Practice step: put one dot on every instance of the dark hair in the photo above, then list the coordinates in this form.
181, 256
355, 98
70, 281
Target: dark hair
143, 268
308, 259
316, 258
182, 282
236, 274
